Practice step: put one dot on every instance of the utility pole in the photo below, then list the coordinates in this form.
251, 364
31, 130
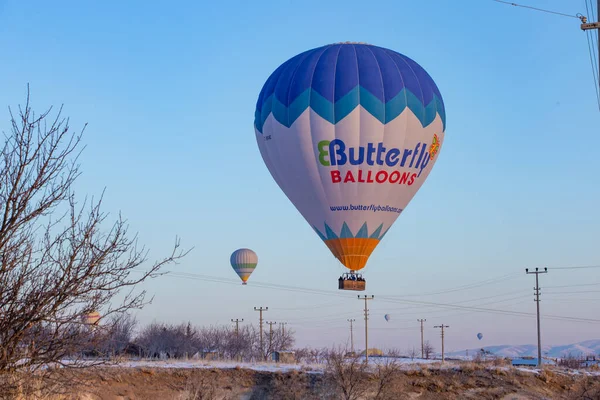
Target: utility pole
270, 334
351, 335
365, 298
536, 292
422, 345
442, 326
586, 26
283, 324
283, 339
237, 325
262, 349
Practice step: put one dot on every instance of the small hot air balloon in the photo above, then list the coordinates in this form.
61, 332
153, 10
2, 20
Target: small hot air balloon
479, 336
350, 132
91, 319
387, 317
244, 262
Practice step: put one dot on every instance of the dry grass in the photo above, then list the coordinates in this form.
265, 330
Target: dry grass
469, 381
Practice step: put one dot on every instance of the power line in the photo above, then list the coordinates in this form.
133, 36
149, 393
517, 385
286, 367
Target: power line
384, 298
464, 287
570, 286
536, 9
492, 310
578, 292
582, 267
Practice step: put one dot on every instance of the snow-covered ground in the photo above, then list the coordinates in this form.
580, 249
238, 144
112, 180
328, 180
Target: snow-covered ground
201, 364
405, 364
259, 366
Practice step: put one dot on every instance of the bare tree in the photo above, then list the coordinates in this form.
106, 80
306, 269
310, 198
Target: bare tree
348, 375
59, 260
587, 389
570, 361
428, 349
120, 335
387, 371
412, 353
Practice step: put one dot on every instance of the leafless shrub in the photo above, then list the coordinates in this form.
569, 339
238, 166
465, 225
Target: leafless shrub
569, 361
412, 353
119, 336
199, 386
291, 386
587, 389
428, 349
348, 375
21, 385
386, 375
58, 259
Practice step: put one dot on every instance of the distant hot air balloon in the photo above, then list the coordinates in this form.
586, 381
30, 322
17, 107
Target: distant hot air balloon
479, 336
92, 318
244, 262
387, 317
350, 132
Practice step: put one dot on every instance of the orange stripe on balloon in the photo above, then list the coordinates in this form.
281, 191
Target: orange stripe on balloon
353, 253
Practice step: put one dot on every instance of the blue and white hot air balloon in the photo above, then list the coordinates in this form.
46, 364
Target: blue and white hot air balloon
479, 336
350, 132
387, 317
243, 262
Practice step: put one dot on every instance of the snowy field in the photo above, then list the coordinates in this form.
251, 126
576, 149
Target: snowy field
261, 366
405, 363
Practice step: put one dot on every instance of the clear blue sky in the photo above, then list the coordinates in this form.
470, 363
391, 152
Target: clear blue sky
169, 93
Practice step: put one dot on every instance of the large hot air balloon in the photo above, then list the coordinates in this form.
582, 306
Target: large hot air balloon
387, 317
350, 132
479, 336
244, 262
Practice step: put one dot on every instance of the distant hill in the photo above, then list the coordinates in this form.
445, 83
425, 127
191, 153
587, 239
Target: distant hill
587, 347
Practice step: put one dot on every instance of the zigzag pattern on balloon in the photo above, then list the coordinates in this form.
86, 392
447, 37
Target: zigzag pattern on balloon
346, 233
335, 112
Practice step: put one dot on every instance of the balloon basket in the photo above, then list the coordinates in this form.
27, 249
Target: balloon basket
244, 283
352, 281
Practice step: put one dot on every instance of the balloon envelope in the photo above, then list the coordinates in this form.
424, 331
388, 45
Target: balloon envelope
387, 317
243, 262
91, 318
350, 132
479, 336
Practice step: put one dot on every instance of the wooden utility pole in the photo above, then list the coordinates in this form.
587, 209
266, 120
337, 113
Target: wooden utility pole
270, 335
260, 310
283, 339
351, 335
586, 26
442, 326
282, 325
536, 292
422, 343
237, 325
365, 298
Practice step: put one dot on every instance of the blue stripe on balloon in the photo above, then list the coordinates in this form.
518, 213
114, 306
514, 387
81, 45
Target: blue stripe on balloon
334, 113
346, 233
